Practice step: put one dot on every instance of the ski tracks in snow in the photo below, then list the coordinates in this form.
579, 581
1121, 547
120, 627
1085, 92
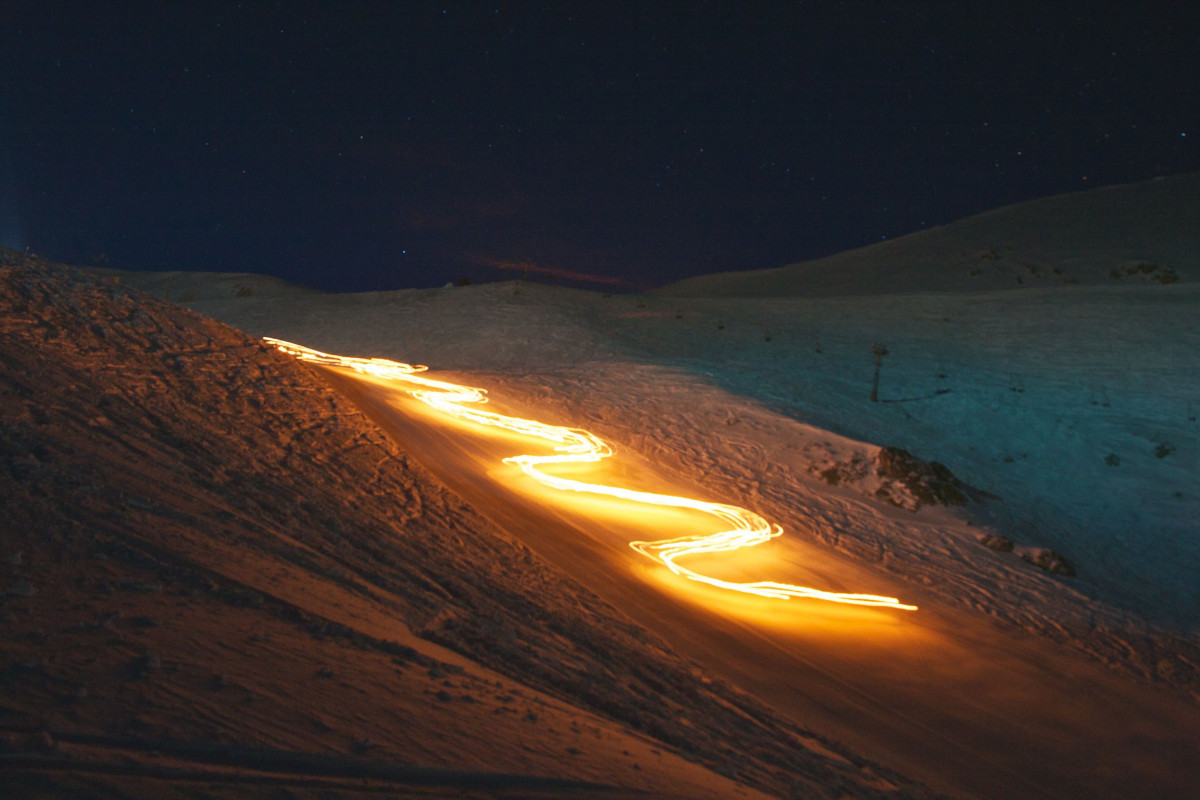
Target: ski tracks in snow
736, 448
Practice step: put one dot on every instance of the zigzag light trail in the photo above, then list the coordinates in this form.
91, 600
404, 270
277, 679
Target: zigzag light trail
574, 446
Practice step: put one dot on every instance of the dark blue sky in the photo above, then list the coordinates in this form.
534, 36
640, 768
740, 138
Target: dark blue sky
384, 145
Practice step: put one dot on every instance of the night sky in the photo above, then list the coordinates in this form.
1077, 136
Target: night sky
611, 145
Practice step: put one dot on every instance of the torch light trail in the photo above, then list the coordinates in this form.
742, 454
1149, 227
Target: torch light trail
574, 446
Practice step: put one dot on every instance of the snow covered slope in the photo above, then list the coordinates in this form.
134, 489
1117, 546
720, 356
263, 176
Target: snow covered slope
217, 575
1068, 408
1145, 232
756, 402
1076, 406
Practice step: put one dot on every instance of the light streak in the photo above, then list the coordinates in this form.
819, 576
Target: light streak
574, 446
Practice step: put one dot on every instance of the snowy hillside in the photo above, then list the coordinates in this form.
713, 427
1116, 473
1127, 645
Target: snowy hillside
1064, 403
216, 573
1144, 232
1076, 406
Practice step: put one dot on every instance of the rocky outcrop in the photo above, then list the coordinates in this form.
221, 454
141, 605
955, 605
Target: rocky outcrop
908, 480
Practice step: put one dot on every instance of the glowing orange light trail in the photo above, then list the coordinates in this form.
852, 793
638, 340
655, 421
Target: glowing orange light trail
574, 445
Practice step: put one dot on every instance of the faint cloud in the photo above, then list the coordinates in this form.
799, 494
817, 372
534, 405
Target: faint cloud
527, 267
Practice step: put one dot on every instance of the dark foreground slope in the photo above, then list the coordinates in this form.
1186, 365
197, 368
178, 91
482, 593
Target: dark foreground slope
217, 578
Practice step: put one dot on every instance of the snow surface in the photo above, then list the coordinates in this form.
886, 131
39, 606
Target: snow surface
1071, 406
694, 389
1076, 406
214, 570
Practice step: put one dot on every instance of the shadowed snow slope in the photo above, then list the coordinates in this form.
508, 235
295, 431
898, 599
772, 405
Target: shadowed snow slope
218, 577
1145, 232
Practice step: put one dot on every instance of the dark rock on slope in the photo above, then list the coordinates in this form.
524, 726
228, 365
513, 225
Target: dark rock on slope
930, 482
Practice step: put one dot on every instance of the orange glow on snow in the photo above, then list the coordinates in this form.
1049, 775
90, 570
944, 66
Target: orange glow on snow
743, 528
